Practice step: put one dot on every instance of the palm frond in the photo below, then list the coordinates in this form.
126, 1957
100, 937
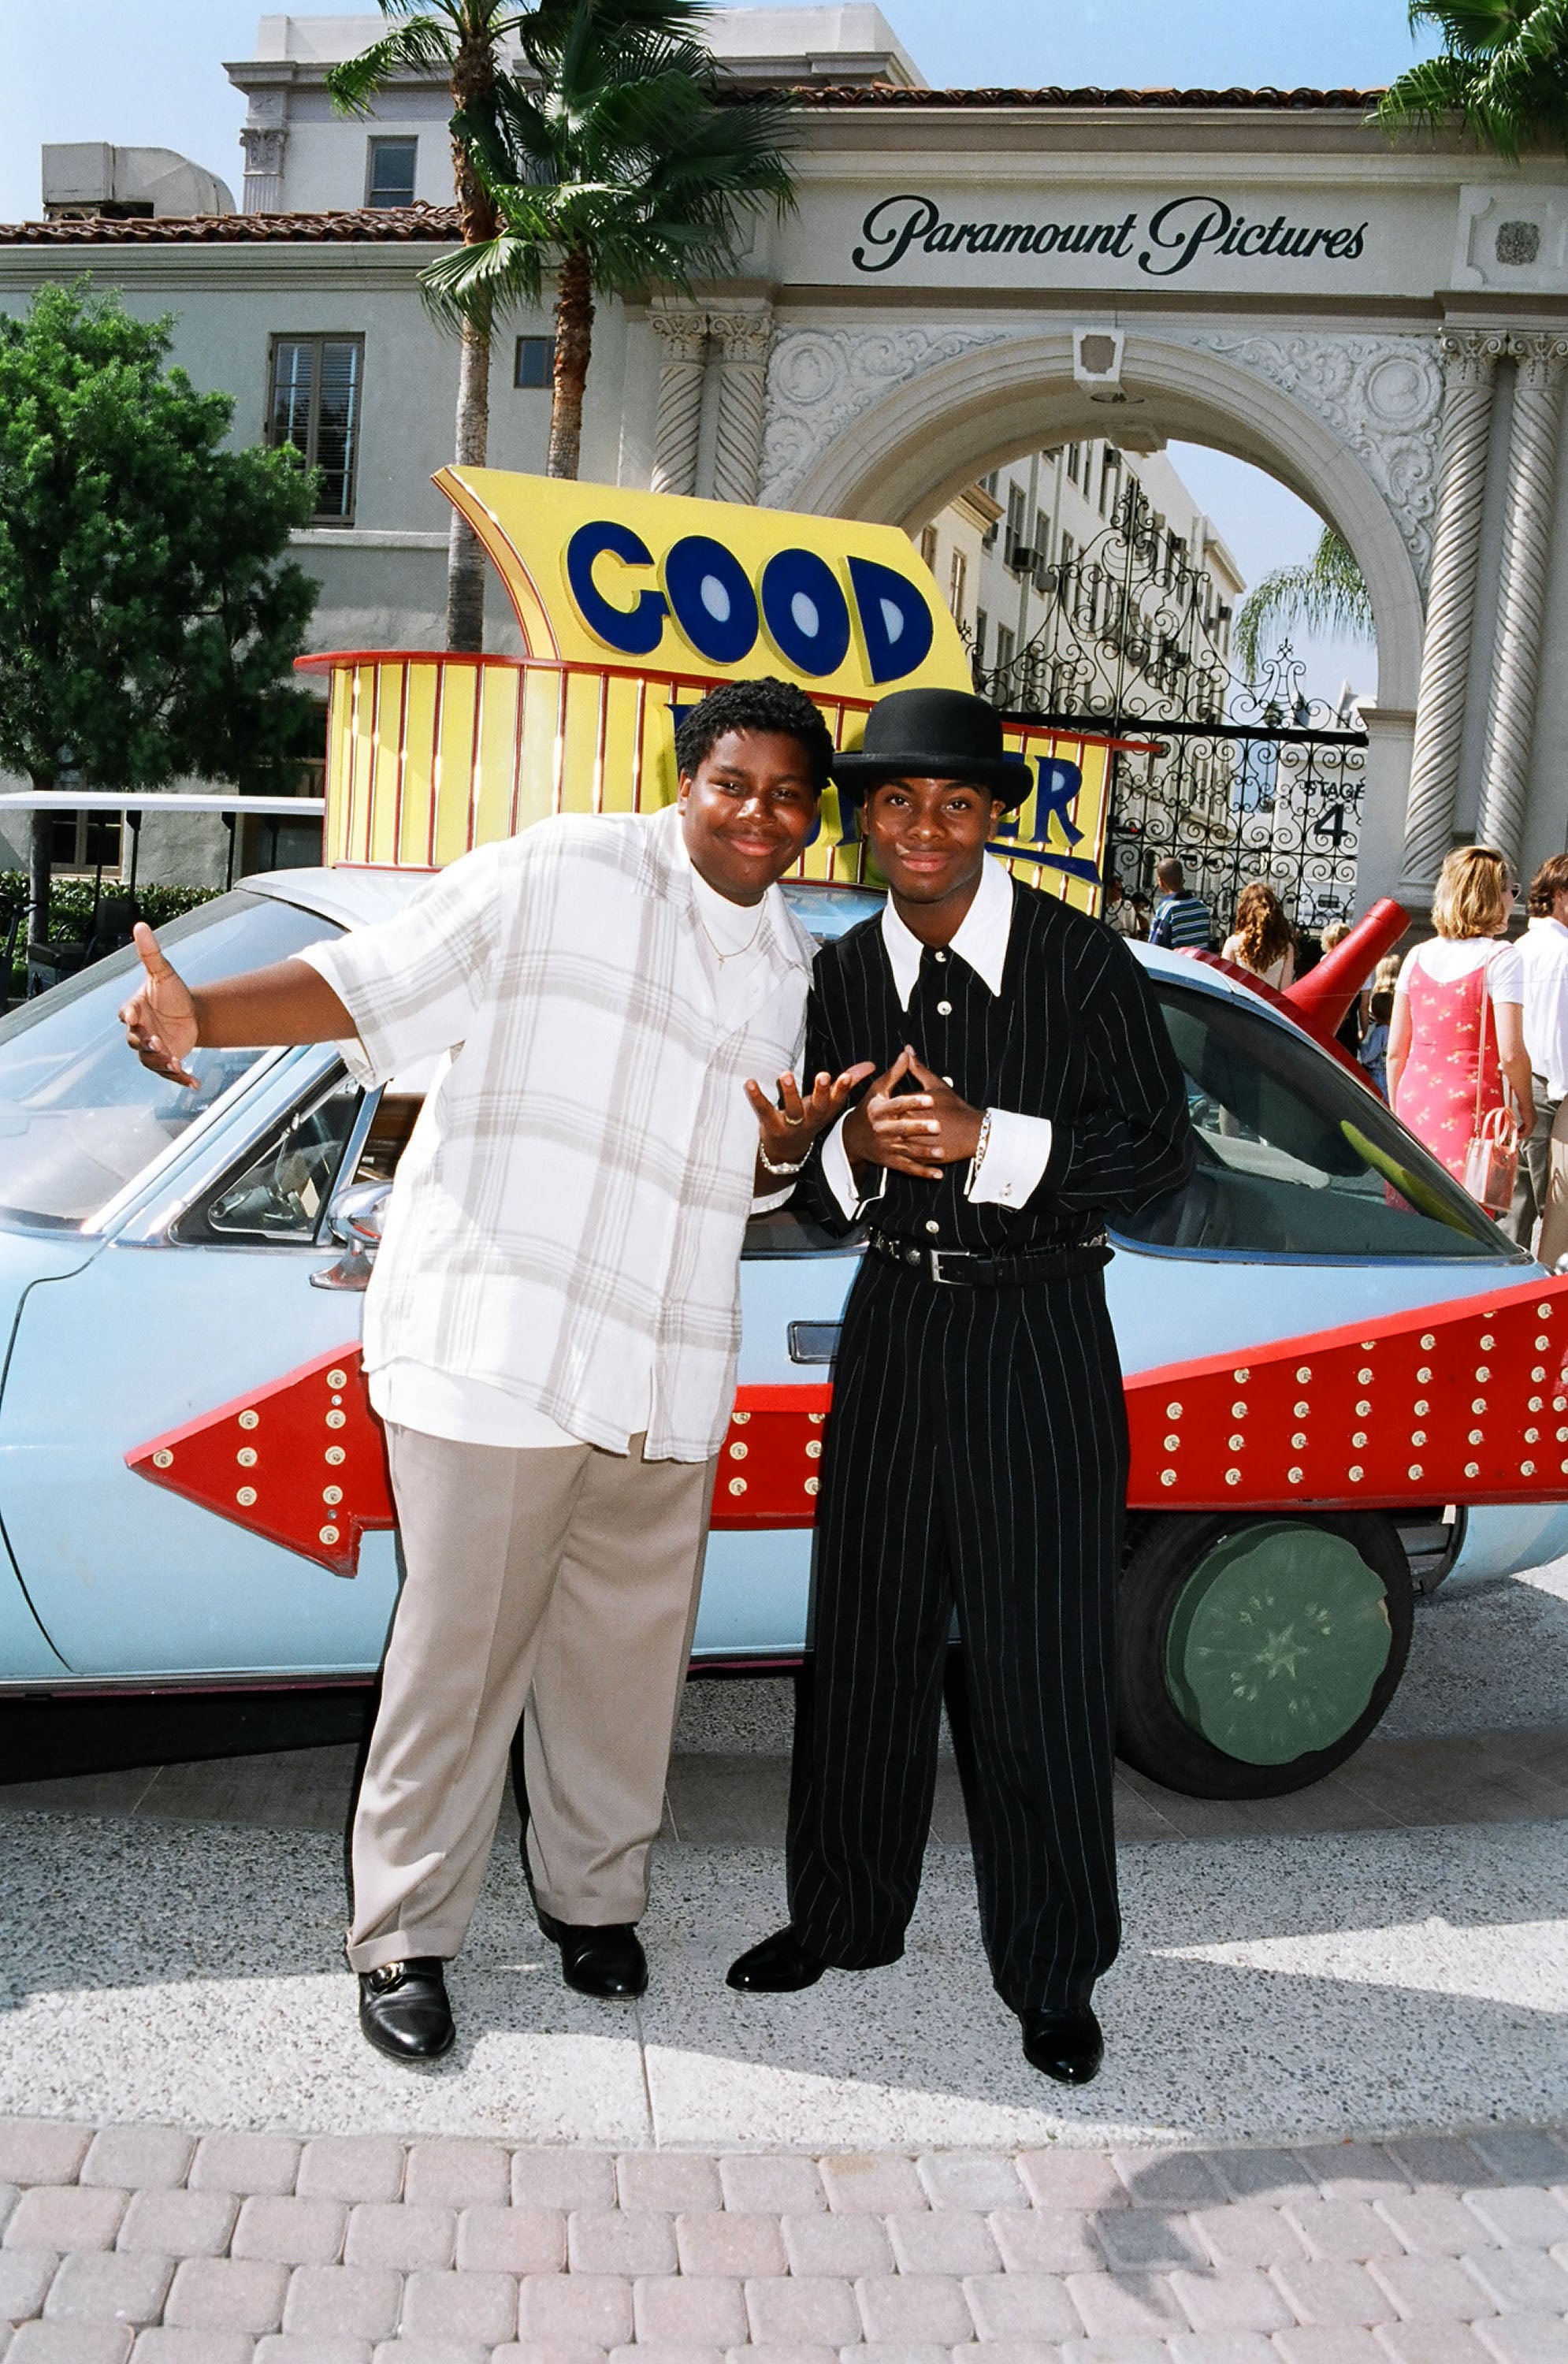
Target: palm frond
1503, 73
619, 151
414, 47
548, 29
1424, 96
483, 281
1468, 28
1329, 594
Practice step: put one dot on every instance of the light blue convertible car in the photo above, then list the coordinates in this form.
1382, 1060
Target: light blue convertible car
158, 1251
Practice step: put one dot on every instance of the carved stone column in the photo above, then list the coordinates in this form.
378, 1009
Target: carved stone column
745, 336
263, 138
1521, 600
684, 334
1471, 358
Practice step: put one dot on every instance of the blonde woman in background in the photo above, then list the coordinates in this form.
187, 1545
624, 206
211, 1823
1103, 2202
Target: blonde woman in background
1456, 1047
1265, 941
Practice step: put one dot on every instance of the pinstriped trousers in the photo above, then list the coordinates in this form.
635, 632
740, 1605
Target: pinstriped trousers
975, 1457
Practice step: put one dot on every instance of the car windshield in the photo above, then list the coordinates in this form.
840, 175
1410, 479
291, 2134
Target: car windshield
1294, 1158
79, 1115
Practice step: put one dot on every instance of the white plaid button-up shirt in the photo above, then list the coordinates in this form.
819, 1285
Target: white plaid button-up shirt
581, 1171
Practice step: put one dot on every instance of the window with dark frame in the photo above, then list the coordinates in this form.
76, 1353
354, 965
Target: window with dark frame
85, 840
313, 407
535, 361
389, 172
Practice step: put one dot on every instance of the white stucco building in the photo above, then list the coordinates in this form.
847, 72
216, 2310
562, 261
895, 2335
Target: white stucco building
1004, 552
970, 278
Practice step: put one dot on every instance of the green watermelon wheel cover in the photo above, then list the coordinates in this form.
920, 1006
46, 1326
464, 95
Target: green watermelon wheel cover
1276, 1642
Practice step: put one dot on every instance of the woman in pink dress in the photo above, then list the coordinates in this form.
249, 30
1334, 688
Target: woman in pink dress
1456, 1046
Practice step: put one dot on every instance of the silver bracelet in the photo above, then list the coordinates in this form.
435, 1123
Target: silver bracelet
981, 1146
769, 1167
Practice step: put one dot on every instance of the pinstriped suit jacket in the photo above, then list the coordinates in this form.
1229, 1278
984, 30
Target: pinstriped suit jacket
1075, 1035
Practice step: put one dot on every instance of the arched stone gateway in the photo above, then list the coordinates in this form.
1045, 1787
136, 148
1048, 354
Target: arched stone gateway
889, 427
972, 274
1350, 426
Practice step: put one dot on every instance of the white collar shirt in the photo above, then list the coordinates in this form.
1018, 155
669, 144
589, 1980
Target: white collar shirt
981, 940
573, 1201
1543, 953
1015, 1146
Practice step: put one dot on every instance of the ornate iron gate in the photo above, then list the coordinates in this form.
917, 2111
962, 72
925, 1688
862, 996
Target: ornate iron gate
1250, 779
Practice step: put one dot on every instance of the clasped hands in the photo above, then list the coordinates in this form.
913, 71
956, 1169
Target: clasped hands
910, 1131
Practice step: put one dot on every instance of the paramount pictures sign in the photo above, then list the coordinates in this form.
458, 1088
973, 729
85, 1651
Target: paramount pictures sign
1163, 244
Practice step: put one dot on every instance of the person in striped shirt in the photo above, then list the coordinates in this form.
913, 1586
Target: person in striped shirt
1181, 920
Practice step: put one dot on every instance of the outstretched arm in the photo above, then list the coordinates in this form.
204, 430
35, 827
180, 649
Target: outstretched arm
165, 1021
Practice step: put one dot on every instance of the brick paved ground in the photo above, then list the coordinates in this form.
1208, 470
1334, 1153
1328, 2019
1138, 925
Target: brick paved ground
142, 2245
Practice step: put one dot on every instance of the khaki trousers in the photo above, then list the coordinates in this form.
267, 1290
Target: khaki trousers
558, 1586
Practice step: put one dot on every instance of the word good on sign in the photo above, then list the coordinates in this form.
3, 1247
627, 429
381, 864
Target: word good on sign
797, 600
675, 586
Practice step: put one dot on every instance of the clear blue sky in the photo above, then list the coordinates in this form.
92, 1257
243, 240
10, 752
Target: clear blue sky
151, 74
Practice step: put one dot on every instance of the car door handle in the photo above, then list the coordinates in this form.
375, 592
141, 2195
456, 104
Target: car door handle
814, 1342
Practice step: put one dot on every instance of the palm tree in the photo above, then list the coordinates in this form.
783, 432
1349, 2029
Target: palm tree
1503, 71
464, 39
1328, 595
614, 163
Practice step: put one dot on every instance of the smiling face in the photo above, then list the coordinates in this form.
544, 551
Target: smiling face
929, 839
747, 811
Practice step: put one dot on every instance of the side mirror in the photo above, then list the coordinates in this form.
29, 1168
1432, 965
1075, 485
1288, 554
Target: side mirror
354, 1220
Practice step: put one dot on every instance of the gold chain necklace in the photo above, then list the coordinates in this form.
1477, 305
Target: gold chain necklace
740, 950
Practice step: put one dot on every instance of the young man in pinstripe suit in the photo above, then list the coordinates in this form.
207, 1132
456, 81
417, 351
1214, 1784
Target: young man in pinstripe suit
976, 1456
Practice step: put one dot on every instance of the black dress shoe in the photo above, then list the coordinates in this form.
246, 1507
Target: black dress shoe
403, 2010
1066, 2044
605, 1961
780, 1964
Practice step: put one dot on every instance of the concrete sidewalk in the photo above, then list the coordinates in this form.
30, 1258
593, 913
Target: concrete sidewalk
1373, 1983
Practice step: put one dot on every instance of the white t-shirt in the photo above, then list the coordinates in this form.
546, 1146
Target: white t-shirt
1543, 958
468, 1412
1447, 958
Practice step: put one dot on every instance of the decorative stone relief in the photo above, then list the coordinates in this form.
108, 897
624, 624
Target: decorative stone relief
264, 137
820, 379
1381, 395
264, 145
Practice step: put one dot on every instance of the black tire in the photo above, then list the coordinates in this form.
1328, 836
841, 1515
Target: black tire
1177, 1564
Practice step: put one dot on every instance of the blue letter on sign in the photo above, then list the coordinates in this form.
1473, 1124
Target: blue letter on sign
895, 622
805, 612
635, 632
1059, 785
714, 603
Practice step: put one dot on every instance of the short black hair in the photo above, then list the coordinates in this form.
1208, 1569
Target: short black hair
767, 704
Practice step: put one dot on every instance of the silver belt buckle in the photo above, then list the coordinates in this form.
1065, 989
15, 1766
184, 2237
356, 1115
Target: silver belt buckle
936, 1256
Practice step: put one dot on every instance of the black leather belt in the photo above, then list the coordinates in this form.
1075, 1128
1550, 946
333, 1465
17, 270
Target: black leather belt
958, 1268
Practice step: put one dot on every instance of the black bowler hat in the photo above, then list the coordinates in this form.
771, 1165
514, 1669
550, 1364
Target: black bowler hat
934, 734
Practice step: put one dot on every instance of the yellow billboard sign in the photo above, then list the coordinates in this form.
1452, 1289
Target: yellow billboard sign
601, 573
631, 607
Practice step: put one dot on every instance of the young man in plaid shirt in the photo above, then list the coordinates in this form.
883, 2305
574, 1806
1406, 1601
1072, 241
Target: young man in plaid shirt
551, 1326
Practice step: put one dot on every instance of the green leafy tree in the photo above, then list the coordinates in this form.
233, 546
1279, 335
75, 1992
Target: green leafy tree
464, 40
616, 163
1502, 72
149, 614
1328, 595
